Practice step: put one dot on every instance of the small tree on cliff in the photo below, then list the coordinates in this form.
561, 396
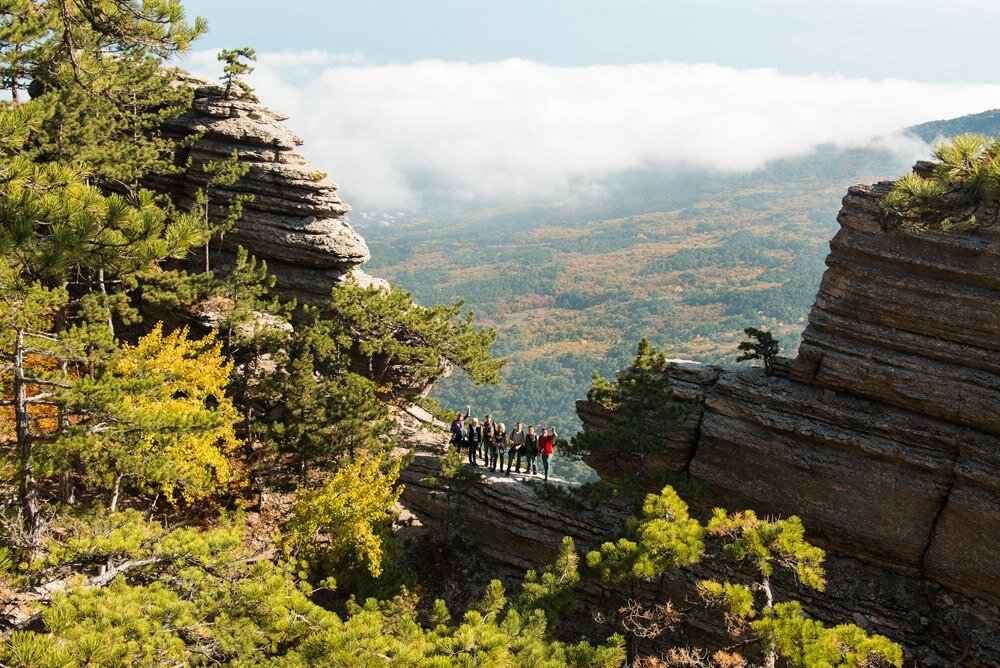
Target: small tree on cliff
219, 175
761, 345
453, 482
642, 405
237, 65
401, 346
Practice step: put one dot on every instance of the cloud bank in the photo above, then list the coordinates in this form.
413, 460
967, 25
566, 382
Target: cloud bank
409, 135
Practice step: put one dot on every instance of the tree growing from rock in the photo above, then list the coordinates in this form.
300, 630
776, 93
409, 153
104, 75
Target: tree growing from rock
760, 345
642, 406
402, 346
452, 482
961, 189
220, 212
237, 65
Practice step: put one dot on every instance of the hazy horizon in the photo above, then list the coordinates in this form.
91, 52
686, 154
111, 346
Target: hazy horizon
447, 115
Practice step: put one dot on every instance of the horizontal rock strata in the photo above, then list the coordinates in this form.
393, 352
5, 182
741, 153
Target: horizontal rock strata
883, 435
295, 220
519, 530
909, 318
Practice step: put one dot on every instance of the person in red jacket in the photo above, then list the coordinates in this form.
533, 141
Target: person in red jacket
545, 445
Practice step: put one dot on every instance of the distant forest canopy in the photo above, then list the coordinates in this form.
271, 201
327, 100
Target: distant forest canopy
686, 258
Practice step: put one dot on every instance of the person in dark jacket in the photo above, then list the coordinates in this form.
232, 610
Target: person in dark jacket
531, 450
458, 434
474, 440
500, 448
516, 447
489, 443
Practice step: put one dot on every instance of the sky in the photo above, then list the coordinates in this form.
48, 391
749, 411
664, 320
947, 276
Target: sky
403, 100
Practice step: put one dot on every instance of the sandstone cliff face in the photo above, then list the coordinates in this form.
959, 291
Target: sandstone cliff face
295, 221
883, 435
519, 530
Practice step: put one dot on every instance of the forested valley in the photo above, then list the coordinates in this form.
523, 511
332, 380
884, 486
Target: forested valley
198, 470
688, 258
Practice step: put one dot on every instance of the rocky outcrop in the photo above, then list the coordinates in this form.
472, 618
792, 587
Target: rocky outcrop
908, 318
518, 529
295, 220
884, 434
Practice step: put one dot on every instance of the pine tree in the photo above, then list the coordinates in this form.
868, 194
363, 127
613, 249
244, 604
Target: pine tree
256, 334
53, 228
237, 64
401, 346
761, 545
643, 406
97, 70
22, 26
220, 212
30, 377
453, 481
551, 589
961, 190
665, 538
761, 345
331, 418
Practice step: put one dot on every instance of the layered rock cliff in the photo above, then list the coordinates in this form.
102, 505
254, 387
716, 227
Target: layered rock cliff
883, 435
295, 220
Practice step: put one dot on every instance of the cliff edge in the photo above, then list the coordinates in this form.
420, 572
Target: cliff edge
883, 435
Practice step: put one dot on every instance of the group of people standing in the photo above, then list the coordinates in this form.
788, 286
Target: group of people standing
491, 442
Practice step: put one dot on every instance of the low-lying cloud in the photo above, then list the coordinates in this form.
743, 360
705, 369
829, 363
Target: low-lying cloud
400, 136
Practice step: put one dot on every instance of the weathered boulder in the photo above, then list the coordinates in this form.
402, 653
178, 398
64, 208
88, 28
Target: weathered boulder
295, 220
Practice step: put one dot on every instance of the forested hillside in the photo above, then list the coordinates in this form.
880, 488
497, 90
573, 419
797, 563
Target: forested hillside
688, 260
684, 257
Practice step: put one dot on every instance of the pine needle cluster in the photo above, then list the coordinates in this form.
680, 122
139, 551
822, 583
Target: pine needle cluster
960, 190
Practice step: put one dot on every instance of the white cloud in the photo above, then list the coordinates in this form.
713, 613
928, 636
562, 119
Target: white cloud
397, 136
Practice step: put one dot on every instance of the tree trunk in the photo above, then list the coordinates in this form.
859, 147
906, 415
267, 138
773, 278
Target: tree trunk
67, 488
104, 291
208, 226
28, 486
115, 492
771, 655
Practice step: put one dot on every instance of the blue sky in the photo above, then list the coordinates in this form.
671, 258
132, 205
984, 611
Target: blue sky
404, 101
953, 40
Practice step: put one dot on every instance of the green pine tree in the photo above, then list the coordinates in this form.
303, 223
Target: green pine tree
237, 64
961, 191
643, 407
760, 345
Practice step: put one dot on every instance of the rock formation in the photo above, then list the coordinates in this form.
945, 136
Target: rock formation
295, 221
883, 435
